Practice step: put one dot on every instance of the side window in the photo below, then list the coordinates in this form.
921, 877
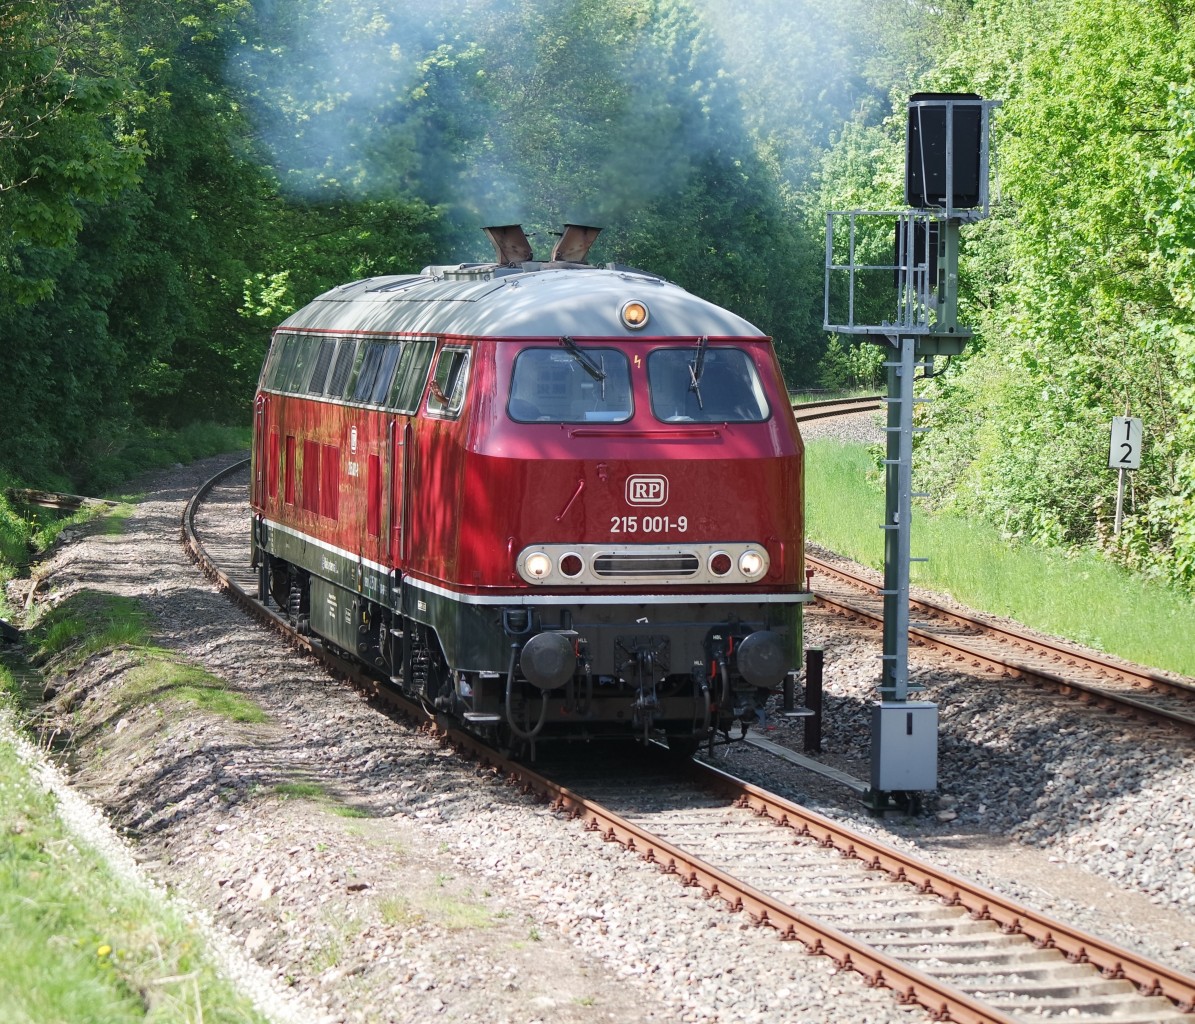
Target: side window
385, 376
342, 368
305, 350
448, 385
411, 378
371, 360
323, 359
282, 361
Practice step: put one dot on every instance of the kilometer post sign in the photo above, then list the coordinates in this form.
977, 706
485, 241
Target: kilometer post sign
1125, 450
1124, 453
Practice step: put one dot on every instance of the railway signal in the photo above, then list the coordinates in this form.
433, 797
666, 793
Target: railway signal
946, 185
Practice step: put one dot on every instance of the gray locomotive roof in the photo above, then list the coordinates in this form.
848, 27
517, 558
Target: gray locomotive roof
531, 299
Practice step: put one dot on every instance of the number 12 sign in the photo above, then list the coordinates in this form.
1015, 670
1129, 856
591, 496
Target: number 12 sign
1125, 449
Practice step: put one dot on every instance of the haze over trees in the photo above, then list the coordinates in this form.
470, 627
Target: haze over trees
175, 177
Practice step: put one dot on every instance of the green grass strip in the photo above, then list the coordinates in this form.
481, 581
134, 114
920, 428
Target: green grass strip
80, 944
1078, 596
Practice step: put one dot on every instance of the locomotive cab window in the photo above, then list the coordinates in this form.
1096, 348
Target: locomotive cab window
446, 394
704, 384
573, 384
411, 377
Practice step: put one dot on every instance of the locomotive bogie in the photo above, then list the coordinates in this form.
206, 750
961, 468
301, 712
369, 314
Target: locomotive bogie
493, 485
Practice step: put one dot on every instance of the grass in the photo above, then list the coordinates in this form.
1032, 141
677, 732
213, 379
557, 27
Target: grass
162, 678
1081, 597
77, 943
805, 397
87, 622
316, 792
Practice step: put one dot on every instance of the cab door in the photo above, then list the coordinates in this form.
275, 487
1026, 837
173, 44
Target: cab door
398, 444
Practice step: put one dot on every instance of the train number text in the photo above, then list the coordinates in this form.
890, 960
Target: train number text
648, 524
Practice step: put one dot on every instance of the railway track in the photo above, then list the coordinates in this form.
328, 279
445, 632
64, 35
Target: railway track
805, 411
962, 953
981, 644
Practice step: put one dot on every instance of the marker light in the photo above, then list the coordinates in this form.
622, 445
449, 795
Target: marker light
752, 564
571, 565
634, 315
537, 565
720, 563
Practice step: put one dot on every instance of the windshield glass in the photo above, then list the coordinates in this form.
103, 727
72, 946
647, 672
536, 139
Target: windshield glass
705, 384
573, 384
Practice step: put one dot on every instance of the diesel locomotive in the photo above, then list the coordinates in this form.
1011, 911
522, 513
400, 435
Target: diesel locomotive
549, 499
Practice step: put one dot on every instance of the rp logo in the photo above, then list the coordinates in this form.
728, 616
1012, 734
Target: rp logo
645, 489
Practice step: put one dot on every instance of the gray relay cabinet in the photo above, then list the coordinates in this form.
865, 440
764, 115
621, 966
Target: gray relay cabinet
904, 746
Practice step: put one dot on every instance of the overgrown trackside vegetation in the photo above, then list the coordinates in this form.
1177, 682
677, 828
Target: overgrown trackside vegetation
88, 622
1079, 596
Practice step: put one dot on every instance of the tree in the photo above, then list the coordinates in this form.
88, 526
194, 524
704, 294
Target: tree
1076, 322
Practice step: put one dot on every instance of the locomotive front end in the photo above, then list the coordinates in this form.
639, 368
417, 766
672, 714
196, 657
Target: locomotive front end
650, 522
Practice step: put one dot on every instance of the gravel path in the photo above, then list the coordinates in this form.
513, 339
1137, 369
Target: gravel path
370, 875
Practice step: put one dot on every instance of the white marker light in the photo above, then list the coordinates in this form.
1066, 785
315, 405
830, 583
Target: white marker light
752, 564
537, 565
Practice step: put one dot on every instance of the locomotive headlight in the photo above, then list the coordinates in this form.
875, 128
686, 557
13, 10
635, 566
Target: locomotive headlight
753, 564
634, 314
537, 565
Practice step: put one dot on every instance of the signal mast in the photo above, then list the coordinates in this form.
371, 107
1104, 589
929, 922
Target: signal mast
946, 186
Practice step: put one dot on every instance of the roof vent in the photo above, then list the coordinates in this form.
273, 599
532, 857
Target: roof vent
574, 243
510, 244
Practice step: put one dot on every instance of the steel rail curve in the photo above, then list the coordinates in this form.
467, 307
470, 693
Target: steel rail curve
1011, 665
805, 411
941, 1000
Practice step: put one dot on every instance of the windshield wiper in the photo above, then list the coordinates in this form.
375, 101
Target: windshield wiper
596, 371
696, 369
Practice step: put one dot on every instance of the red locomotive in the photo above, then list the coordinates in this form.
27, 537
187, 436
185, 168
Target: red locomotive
551, 499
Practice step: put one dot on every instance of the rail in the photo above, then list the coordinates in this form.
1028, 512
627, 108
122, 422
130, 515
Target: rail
986, 644
1173, 990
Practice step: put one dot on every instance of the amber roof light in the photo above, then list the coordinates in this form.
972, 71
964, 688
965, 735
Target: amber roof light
634, 314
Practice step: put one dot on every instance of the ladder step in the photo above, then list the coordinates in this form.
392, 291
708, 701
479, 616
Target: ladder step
481, 717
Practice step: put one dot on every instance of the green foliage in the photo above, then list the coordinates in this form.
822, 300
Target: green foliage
850, 366
14, 535
1079, 283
